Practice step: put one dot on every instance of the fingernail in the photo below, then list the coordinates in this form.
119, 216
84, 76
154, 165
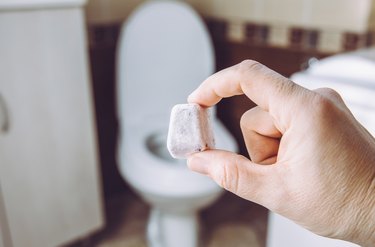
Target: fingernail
198, 164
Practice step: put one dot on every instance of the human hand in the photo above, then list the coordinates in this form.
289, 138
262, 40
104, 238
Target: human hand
312, 162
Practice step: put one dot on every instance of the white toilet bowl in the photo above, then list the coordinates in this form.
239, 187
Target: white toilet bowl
164, 53
173, 191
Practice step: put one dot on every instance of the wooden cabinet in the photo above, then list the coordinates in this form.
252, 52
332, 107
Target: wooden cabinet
49, 182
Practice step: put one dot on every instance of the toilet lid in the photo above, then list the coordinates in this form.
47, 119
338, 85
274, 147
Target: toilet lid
164, 53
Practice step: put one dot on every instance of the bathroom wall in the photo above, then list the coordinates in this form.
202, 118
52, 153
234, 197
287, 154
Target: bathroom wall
332, 26
321, 14
346, 15
101, 12
328, 26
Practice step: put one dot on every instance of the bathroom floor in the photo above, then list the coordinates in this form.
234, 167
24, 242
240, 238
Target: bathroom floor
231, 221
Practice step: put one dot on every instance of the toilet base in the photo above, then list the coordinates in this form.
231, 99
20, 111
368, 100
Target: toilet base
171, 229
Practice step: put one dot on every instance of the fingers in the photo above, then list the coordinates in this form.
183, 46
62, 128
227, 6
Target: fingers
235, 173
262, 85
261, 137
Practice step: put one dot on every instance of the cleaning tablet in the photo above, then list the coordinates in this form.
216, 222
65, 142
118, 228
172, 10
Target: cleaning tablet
190, 130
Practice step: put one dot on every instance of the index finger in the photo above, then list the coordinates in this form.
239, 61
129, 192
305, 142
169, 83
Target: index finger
263, 86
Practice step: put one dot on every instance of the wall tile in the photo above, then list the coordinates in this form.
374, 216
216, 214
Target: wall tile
279, 36
371, 18
286, 12
236, 32
346, 15
99, 12
224, 9
330, 42
257, 33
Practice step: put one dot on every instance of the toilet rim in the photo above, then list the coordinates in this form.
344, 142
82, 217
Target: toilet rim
149, 173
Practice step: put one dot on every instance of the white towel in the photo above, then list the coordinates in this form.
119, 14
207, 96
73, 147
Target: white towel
358, 95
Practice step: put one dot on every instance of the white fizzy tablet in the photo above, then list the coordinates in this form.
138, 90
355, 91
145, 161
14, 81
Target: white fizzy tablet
190, 130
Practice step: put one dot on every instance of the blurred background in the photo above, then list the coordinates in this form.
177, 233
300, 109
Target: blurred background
284, 35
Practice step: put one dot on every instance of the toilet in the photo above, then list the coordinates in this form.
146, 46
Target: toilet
164, 53
353, 76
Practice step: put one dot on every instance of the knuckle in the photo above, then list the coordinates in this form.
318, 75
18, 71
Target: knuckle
330, 93
248, 64
247, 117
229, 176
288, 88
323, 107
255, 154
286, 85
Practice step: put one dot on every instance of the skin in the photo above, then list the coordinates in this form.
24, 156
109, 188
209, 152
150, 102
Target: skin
311, 161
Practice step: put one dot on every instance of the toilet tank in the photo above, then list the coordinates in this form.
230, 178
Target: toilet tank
353, 76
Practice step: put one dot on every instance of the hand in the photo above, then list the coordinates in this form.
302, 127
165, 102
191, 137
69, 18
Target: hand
311, 160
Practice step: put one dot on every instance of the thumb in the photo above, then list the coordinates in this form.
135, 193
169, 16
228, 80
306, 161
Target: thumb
234, 173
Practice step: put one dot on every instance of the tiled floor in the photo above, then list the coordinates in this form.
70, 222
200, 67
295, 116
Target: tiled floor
231, 221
